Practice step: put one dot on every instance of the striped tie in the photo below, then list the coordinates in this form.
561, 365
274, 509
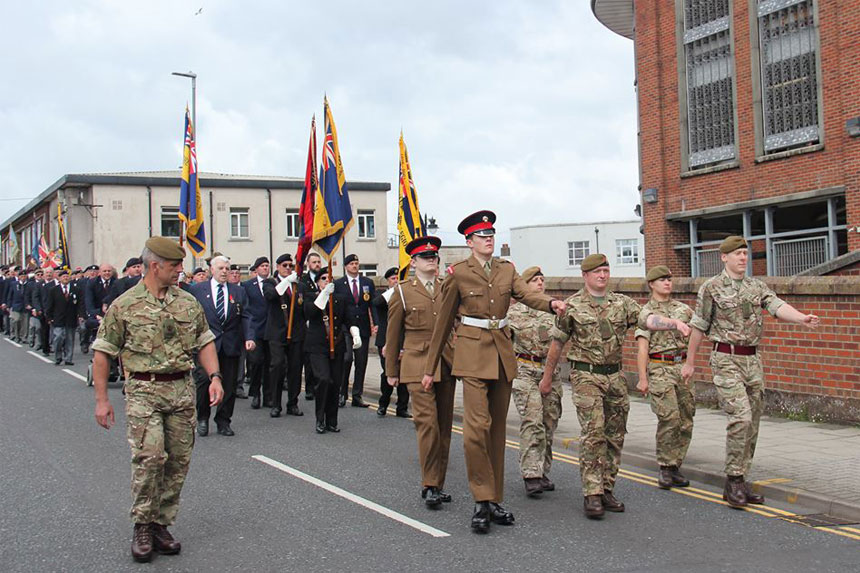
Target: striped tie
219, 303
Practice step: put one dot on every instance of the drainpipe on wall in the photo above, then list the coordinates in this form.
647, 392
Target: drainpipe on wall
149, 207
271, 251
211, 226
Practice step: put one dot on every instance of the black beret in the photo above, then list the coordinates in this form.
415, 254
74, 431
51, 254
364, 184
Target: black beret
259, 261
284, 258
323, 271
391, 272
92, 268
197, 270
131, 262
234, 267
62, 272
349, 258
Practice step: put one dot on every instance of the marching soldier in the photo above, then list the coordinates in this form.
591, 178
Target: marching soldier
728, 312
479, 290
412, 312
538, 414
596, 323
660, 356
155, 327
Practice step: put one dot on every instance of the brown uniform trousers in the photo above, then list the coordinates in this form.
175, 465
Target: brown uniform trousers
412, 313
484, 359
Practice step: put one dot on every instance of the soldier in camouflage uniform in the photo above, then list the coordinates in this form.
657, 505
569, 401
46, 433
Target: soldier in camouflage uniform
596, 322
538, 414
659, 360
728, 312
155, 328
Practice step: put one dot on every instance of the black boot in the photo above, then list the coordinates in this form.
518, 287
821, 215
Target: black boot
481, 517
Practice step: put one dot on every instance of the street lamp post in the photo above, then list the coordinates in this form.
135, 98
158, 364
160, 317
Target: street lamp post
193, 77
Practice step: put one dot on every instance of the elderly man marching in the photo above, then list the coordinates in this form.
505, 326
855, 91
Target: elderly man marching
660, 356
728, 312
412, 311
155, 327
538, 414
596, 323
479, 290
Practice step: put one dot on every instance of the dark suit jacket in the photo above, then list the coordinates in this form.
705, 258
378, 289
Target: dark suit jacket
32, 297
15, 296
381, 305
59, 310
119, 286
279, 311
310, 285
230, 336
258, 310
316, 339
95, 295
360, 312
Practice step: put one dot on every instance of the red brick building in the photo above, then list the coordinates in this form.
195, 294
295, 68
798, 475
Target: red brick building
749, 124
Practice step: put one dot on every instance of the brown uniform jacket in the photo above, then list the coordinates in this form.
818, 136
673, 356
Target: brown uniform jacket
412, 313
468, 291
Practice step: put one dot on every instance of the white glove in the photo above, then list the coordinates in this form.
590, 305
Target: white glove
322, 298
356, 337
293, 278
388, 294
329, 288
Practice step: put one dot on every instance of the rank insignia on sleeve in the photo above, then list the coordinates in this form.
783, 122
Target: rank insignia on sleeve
450, 270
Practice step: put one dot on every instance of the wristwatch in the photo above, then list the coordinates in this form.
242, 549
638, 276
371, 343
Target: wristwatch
214, 374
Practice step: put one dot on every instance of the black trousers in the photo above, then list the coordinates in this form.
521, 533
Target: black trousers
386, 390
360, 358
45, 335
259, 361
229, 366
310, 381
286, 361
327, 372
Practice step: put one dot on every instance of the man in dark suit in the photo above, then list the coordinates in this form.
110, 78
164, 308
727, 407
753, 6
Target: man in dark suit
380, 301
87, 329
226, 309
285, 298
309, 284
132, 271
258, 310
61, 310
98, 290
15, 304
360, 291
33, 305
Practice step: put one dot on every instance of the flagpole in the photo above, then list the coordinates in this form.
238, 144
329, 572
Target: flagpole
330, 316
292, 308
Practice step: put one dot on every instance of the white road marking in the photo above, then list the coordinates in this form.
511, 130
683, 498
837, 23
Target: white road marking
42, 358
74, 374
10, 341
423, 527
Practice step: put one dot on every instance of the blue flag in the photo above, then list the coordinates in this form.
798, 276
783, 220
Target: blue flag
332, 210
190, 200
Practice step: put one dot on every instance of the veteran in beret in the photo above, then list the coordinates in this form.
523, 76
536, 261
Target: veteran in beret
155, 328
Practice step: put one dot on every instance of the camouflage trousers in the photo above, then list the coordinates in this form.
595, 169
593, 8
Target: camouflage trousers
602, 406
161, 419
538, 418
739, 381
674, 404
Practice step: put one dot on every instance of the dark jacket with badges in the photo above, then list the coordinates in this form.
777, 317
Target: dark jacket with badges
258, 308
316, 339
361, 310
279, 311
61, 310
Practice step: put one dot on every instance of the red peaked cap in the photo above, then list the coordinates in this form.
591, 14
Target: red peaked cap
423, 246
480, 223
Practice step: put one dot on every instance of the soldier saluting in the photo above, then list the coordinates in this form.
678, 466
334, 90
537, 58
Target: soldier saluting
155, 328
479, 290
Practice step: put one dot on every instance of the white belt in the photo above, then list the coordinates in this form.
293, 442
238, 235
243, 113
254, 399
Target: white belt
485, 323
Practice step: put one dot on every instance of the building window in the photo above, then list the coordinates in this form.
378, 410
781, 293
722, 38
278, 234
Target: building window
367, 270
789, 74
627, 251
239, 223
170, 222
366, 224
292, 223
708, 68
577, 251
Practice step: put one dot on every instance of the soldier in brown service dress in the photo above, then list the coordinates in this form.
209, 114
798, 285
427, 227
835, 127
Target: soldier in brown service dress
155, 327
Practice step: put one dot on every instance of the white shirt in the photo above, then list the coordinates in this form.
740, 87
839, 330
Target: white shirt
260, 284
213, 284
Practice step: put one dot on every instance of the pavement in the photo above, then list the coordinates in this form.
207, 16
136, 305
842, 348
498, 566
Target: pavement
808, 464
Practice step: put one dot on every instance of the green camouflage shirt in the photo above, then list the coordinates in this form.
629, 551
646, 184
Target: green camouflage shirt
664, 341
596, 331
152, 335
730, 311
531, 329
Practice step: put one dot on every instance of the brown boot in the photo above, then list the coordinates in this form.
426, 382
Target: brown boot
678, 479
547, 484
533, 486
611, 503
733, 492
664, 481
593, 507
163, 541
752, 497
141, 543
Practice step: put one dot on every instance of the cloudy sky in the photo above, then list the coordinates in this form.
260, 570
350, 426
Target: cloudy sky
525, 108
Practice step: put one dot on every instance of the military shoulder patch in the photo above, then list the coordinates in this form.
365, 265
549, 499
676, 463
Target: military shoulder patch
450, 270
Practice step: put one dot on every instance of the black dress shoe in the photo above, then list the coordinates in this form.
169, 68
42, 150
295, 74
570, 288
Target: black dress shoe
481, 517
202, 427
403, 415
275, 413
332, 429
294, 411
320, 428
309, 396
359, 403
255, 402
611, 503
226, 430
500, 515
57, 362
445, 497
240, 393
430, 495
341, 402
381, 411
70, 363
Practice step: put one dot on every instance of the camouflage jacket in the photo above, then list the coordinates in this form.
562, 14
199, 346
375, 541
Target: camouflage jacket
152, 335
664, 341
531, 329
596, 331
730, 311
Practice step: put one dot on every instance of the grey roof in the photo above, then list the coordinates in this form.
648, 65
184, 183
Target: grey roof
582, 224
617, 15
171, 178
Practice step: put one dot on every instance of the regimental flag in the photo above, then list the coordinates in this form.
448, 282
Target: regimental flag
16, 248
34, 240
306, 208
62, 255
409, 222
44, 255
332, 211
190, 200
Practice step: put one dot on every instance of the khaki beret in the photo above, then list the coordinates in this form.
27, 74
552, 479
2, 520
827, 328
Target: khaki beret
732, 243
658, 272
531, 273
591, 262
165, 248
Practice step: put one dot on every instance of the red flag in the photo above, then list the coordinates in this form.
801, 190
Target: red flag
306, 209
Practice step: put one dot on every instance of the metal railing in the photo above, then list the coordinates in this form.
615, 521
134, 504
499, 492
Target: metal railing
797, 255
708, 262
